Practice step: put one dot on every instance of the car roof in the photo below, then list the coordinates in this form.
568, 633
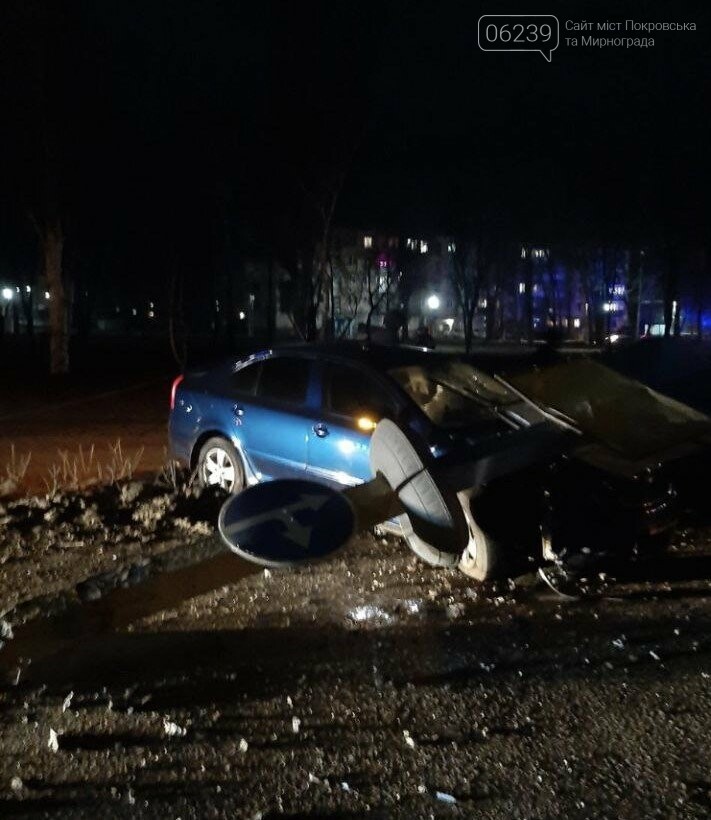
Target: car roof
379, 357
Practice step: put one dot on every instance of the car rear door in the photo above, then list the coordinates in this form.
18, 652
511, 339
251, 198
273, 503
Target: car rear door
351, 402
274, 424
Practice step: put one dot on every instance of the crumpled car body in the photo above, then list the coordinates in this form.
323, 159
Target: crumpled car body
618, 487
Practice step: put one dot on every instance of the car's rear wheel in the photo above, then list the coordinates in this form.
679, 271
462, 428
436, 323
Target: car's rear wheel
220, 465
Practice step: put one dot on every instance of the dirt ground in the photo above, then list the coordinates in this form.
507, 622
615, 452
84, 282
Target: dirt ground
368, 685
77, 422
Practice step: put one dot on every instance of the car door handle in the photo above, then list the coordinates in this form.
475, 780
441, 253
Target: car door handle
320, 429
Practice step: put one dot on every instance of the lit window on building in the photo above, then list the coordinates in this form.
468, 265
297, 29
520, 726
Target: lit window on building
522, 286
393, 242
523, 253
539, 253
423, 246
618, 290
576, 322
412, 244
451, 247
367, 241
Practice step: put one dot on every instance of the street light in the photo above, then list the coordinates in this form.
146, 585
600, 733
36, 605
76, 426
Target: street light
7, 294
433, 302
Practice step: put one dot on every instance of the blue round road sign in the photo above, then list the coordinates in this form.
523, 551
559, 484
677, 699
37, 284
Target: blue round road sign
286, 522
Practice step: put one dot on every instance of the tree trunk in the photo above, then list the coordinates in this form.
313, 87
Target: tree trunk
271, 307
490, 317
468, 328
589, 294
27, 309
52, 247
528, 273
670, 290
176, 328
640, 293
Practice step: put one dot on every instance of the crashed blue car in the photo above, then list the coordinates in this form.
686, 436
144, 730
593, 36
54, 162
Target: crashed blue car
308, 411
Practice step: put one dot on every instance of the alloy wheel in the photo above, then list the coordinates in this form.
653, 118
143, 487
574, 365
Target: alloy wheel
218, 469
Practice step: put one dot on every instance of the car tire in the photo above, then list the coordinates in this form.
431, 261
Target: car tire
433, 515
483, 558
220, 464
427, 552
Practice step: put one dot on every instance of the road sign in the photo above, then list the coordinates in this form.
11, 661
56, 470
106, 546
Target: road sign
286, 522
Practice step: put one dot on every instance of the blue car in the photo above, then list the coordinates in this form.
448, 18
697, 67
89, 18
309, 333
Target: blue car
308, 412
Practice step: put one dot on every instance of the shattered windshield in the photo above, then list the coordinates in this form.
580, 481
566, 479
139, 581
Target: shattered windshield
452, 393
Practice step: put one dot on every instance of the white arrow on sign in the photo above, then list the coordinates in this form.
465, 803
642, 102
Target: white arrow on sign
297, 532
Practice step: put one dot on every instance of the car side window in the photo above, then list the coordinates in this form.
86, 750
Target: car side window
244, 380
284, 379
351, 392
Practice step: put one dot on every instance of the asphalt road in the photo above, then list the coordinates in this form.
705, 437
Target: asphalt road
371, 685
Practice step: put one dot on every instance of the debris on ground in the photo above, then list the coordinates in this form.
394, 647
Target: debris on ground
370, 684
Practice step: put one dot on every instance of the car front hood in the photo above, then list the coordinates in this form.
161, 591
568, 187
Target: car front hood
625, 425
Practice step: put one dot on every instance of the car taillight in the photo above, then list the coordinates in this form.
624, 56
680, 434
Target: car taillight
174, 390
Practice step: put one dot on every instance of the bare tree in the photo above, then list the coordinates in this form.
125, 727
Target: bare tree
634, 288
528, 271
304, 241
670, 287
500, 278
45, 152
302, 292
177, 331
381, 283
349, 279
465, 273
308, 290
579, 261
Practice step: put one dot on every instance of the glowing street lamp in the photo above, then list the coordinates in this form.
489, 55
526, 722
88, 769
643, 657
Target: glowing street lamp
433, 302
7, 294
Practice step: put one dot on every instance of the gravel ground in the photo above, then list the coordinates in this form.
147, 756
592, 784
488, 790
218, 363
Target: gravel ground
368, 685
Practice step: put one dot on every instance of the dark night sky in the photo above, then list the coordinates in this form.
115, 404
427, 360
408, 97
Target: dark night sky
171, 115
